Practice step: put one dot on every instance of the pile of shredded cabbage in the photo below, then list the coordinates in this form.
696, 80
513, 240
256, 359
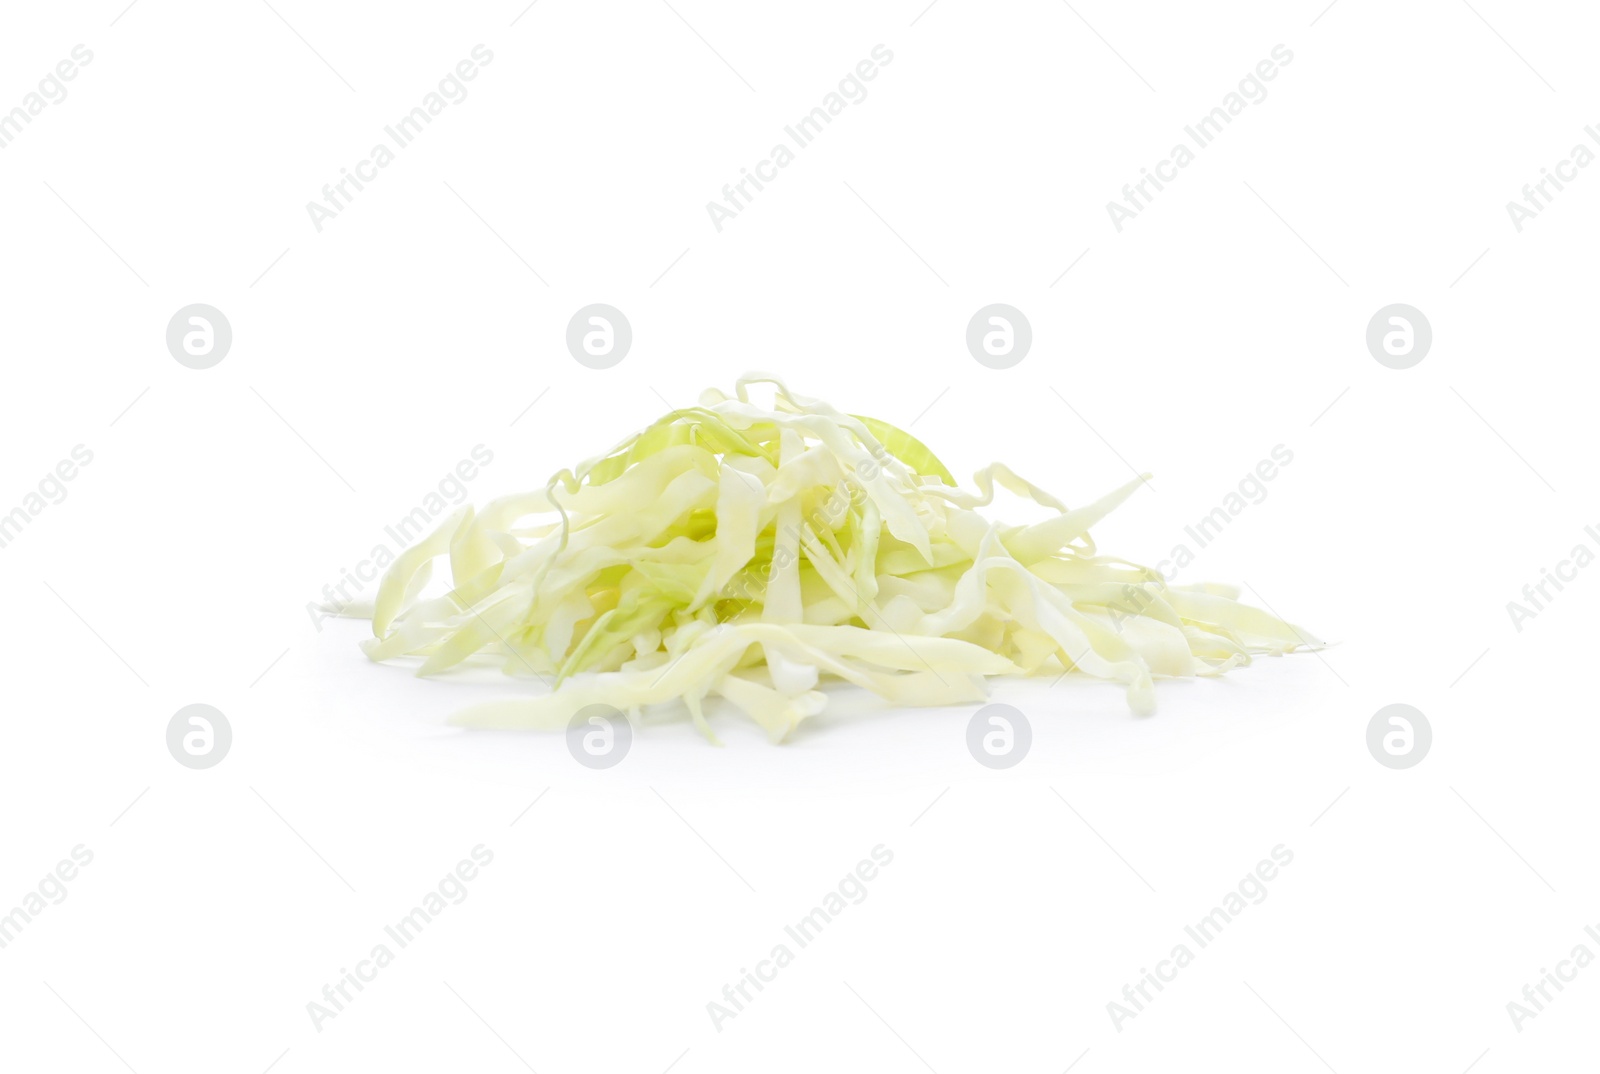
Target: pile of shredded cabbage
746, 552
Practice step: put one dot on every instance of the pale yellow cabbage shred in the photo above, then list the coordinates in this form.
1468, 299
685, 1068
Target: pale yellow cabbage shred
747, 552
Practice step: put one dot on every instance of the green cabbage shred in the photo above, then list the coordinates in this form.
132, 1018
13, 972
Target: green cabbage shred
750, 553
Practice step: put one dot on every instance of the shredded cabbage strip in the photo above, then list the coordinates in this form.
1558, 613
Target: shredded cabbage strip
746, 552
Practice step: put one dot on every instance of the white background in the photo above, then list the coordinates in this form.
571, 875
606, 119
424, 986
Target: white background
369, 358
